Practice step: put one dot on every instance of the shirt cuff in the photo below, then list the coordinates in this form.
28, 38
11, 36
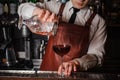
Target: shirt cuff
87, 61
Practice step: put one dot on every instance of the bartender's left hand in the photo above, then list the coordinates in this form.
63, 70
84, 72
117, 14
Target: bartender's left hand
68, 67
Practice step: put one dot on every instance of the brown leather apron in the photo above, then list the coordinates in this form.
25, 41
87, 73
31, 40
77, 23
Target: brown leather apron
77, 35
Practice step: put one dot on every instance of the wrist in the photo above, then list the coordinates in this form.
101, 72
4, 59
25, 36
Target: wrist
77, 64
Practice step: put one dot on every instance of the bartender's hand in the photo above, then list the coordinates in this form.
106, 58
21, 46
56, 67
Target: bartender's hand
68, 67
44, 16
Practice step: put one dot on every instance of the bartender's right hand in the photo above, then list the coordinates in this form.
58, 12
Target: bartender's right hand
45, 15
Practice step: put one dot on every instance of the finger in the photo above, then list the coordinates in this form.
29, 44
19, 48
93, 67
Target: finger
70, 67
60, 69
75, 67
52, 18
66, 66
46, 16
41, 15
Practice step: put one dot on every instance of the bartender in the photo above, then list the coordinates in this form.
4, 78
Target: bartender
87, 42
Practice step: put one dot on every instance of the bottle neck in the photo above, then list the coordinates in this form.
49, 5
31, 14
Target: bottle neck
6, 10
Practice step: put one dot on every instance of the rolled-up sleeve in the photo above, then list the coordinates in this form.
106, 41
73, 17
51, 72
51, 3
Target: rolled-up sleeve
87, 61
25, 10
98, 39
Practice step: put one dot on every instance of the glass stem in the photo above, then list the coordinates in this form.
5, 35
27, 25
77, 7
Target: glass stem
62, 73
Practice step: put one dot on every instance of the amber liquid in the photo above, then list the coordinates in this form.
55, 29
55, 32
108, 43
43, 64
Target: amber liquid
61, 49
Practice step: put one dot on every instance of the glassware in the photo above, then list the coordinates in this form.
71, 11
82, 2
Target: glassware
37, 27
61, 48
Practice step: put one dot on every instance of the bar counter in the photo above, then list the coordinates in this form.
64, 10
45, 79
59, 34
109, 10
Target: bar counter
52, 75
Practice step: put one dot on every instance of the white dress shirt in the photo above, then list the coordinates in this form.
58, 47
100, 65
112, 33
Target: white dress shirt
94, 56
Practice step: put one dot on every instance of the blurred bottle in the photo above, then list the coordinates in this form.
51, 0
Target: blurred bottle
13, 4
1, 7
98, 7
6, 10
1, 11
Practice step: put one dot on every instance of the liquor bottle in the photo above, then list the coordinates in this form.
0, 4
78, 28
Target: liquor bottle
1, 13
13, 4
6, 10
13, 16
1, 7
98, 7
